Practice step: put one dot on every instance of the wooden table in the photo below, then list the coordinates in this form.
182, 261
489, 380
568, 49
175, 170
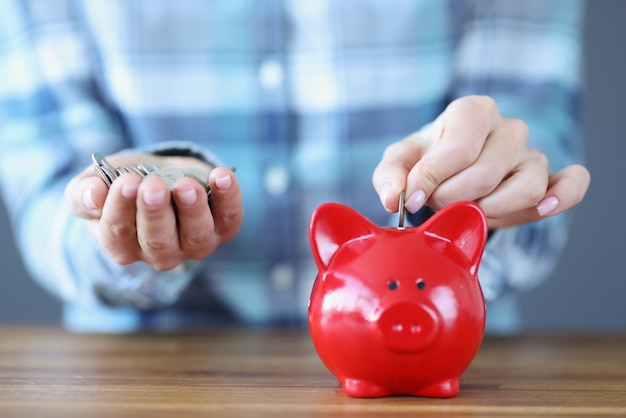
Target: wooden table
229, 373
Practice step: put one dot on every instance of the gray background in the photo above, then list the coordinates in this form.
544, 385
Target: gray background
586, 293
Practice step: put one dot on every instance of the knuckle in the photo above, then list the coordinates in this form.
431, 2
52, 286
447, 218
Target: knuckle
197, 240
533, 192
122, 231
519, 129
156, 244
484, 180
229, 225
543, 159
118, 241
230, 219
429, 174
467, 153
538, 158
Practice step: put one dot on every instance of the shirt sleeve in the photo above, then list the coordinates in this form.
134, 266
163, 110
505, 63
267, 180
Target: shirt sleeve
53, 115
528, 57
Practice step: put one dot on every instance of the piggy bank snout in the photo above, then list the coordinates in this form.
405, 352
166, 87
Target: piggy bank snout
408, 326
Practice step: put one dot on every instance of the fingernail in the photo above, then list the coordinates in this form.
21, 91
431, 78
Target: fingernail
224, 182
153, 198
129, 191
547, 205
415, 201
88, 199
187, 196
384, 193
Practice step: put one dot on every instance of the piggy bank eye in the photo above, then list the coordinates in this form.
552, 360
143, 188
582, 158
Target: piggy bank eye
421, 284
393, 284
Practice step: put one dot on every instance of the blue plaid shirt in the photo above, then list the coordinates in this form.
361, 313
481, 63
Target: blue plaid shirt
301, 96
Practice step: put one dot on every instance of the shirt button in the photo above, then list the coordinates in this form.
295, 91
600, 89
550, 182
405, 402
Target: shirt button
271, 74
276, 180
282, 276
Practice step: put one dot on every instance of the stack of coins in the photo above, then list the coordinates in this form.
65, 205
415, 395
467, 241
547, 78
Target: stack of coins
170, 175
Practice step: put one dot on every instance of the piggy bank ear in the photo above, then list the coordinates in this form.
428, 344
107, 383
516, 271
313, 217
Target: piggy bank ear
332, 225
464, 225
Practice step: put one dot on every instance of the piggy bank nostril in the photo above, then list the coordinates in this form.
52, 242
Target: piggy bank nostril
408, 327
412, 329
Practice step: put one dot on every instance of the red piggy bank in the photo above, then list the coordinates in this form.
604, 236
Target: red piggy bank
397, 311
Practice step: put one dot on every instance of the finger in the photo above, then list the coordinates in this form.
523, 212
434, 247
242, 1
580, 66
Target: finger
501, 153
523, 189
467, 123
85, 197
567, 188
226, 200
117, 228
195, 222
86, 192
389, 176
157, 231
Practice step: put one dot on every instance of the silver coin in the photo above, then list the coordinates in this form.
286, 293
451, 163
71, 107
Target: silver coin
200, 175
104, 169
146, 168
169, 174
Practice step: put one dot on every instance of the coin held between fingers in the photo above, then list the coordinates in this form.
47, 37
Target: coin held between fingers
401, 210
170, 175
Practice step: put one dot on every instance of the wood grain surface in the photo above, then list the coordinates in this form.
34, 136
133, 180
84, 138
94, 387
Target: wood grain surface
47, 372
